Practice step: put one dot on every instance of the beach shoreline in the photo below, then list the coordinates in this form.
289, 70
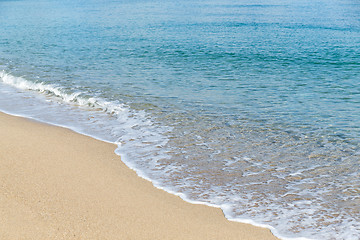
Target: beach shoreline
59, 184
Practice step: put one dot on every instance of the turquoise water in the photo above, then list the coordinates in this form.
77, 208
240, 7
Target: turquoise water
251, 106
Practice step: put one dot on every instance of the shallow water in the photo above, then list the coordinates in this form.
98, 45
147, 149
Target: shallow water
249, 106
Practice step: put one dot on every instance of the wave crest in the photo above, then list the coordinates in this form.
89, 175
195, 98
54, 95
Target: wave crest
74, 98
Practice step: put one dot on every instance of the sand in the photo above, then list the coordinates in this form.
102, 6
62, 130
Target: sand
58, 184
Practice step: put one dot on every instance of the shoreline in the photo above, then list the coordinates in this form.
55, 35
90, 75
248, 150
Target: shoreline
59, 184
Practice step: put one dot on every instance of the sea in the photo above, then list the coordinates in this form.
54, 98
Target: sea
251, 106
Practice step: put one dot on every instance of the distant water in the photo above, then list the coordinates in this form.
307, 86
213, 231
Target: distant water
252, 106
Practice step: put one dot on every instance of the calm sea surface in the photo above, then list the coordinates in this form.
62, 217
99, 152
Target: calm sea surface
251, 106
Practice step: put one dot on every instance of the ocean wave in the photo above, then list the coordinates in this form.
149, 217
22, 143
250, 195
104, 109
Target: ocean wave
75, 98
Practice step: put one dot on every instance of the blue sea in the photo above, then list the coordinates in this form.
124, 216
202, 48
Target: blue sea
249, 106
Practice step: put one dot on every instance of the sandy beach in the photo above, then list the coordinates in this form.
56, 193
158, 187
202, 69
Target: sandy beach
57, 184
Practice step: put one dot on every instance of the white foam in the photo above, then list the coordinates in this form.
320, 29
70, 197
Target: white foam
74, 98
140, 141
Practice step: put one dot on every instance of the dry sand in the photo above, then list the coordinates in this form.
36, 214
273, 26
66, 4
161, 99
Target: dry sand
57, 184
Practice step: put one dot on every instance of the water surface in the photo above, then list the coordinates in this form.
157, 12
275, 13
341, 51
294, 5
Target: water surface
251, 106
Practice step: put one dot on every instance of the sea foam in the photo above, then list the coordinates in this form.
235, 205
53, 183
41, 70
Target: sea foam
142, 144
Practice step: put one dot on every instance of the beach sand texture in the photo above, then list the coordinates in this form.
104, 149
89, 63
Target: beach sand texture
57, 184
